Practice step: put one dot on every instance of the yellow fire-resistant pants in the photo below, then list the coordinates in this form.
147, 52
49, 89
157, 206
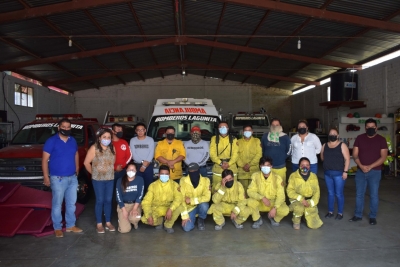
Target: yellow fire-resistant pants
282, 173
158, 214
310, 214
259, 206
245, 183
224, 209
125, 225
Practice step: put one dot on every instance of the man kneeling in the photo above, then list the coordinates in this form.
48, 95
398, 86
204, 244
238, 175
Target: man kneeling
163, 200
196, 194
230, 200
267, 194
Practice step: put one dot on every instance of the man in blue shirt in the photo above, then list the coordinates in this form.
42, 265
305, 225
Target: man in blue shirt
60, 165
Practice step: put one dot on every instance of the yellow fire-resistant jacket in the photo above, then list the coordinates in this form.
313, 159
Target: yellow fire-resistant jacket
200, 194
249, 152
298, 189
161, 196
233, 195
271, 188
224, 150
171, 152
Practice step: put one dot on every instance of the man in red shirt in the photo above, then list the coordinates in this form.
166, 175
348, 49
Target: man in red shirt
369, 152
123, 154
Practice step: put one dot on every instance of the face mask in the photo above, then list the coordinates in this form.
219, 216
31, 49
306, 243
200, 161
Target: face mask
229, 184
247, 134
304, 170
276, 129
170, 136
371, 131
105, 142
195, 178
65, 132
195, 137
130, 174
266, 169
119, 134
332, 138
302, 130
223, 130
164, 178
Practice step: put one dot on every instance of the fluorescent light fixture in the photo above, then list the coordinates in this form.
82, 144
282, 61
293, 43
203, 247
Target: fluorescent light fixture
299, 44
327, 80
303, 89
381, 59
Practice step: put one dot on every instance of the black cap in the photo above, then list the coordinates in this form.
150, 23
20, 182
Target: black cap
193, 166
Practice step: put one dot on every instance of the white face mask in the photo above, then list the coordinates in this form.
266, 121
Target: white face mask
164, 178
266, 169
247, 134
130, 174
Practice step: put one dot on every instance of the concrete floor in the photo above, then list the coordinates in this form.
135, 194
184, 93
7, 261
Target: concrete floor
336, 243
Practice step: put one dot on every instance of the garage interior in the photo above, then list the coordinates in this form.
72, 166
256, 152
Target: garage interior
121, 56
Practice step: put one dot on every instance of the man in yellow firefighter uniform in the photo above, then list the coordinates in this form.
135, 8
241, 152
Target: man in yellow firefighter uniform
196, 192
267, 194
163, 200
223, 152
229, 200
249, 155
171, 152
303, 192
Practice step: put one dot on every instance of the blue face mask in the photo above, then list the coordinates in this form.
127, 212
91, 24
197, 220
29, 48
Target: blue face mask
223, 130
105, 142
266, 169
247, 134
164, 178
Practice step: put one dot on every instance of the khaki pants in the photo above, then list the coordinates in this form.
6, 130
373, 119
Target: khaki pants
124, 225
258, 205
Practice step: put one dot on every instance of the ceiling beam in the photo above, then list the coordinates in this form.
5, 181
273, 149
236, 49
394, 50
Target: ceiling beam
319, 14
85, 54
114, 73
55, 9
245, 72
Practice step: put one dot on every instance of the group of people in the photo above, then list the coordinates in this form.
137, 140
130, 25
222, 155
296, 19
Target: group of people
248, 176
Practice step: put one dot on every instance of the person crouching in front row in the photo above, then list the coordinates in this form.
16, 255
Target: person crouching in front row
163, 200
129, 196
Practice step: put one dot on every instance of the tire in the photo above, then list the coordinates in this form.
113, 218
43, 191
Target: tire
84, 188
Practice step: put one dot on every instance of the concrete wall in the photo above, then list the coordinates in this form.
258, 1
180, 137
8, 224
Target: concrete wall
139, 98
45, 101
379, 87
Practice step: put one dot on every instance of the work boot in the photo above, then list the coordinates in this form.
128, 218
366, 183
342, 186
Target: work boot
273, 222
238, 226
257, 223
58, 233
219, 227
169, 230
200, 224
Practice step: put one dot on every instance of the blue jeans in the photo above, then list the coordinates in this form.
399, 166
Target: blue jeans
201, 210
313, 167
104, 192
63, 187
335, 184
147, 175
372, 179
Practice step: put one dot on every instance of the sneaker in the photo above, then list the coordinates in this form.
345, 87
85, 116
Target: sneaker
339, 217
58, 233
100, 229
74, 229
238, 226
161, 226
257, 224
296, 226
169, 230
200, 224
219, 227
110, 227
273, 222
329, 215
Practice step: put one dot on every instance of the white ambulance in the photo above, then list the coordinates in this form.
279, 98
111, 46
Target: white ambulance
183, 114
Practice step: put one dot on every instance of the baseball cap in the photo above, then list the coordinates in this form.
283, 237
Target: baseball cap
195, 128
193, 166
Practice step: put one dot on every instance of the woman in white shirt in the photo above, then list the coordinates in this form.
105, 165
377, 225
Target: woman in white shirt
305, 144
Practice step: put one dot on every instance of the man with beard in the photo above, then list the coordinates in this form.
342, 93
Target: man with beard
171, 152
197, 150
276, 145
196, 194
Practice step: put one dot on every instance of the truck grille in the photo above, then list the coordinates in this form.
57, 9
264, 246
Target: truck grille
22, 168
